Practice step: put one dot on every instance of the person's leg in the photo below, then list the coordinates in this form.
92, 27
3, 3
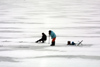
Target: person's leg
38, 40
53, 42
42, 41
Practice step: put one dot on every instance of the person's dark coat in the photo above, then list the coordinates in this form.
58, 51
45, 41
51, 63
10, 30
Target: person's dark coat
44, 37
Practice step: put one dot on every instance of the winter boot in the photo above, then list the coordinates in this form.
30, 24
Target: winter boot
53, 44
36, 42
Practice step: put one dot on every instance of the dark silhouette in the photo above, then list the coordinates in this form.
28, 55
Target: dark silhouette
43, 39
71, 43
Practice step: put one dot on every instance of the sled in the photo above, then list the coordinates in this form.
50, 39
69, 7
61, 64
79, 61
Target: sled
79, 43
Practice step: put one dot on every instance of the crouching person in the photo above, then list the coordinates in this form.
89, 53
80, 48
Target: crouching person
53, 36
43, 39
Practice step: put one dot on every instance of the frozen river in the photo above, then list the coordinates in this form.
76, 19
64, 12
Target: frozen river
23, 21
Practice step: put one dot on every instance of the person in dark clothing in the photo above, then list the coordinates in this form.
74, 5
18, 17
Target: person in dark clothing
43, 39
53, 37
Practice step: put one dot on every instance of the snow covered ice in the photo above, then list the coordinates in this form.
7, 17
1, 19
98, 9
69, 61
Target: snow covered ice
23, 21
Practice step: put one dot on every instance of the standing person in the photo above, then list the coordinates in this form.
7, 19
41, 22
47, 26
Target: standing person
43, 39
53, 36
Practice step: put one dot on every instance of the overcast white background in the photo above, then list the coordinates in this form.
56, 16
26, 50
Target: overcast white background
23, 21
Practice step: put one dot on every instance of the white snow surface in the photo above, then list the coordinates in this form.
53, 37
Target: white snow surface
23, 21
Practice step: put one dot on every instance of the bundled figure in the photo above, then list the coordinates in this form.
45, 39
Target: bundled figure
53, 36
43, 39
71, 43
